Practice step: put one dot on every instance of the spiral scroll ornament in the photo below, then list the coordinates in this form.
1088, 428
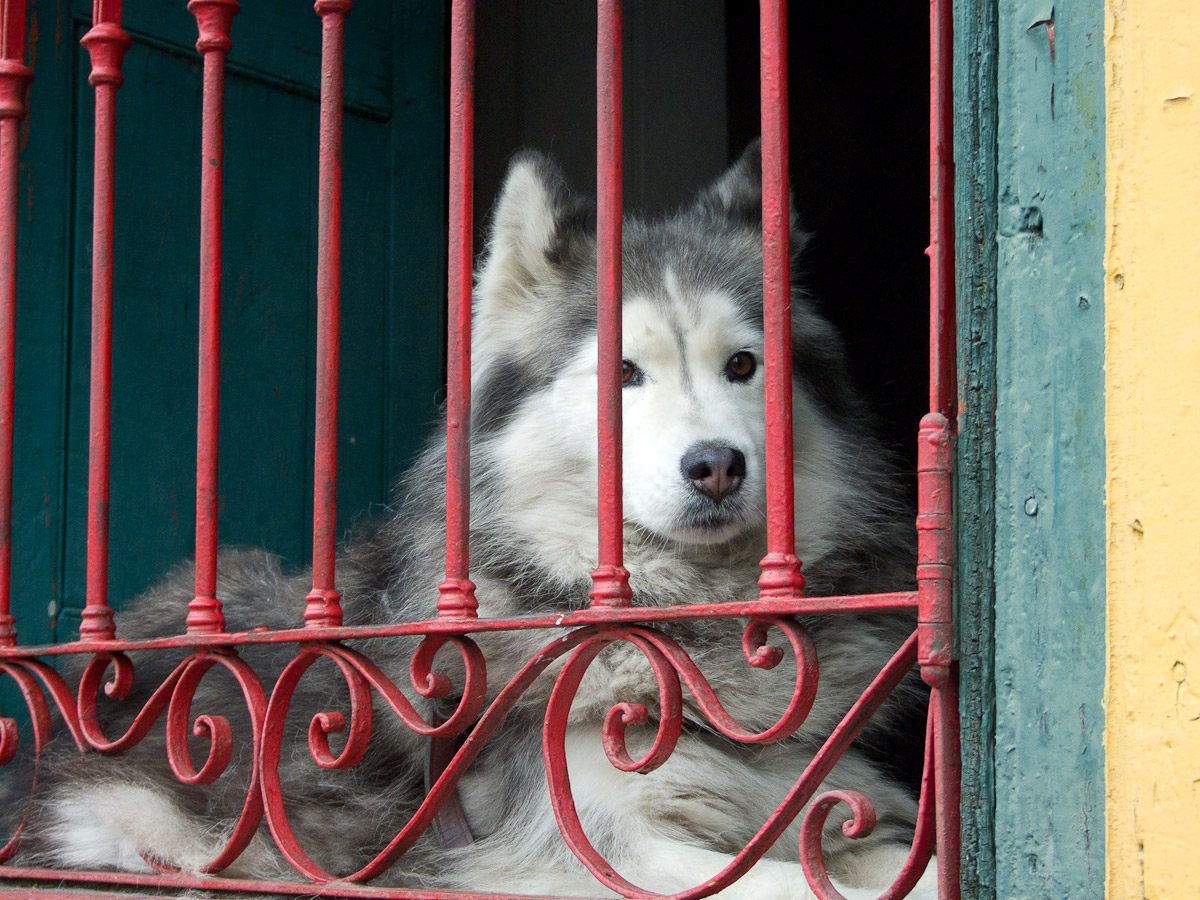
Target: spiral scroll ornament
175, 696
362, 677
671, 665
861, 824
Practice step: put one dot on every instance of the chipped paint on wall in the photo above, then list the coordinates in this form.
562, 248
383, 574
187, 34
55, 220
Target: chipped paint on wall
1152, 299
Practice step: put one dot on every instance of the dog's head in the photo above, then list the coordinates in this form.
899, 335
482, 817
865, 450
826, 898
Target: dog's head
694, 434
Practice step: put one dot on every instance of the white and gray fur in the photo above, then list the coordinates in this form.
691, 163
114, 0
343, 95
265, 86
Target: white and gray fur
693, 298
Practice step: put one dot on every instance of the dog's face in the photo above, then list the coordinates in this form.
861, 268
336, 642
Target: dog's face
692, 402
692, 393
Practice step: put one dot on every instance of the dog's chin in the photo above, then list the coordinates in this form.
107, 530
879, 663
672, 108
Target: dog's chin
709, 524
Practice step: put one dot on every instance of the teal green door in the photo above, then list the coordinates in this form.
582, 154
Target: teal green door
393, 236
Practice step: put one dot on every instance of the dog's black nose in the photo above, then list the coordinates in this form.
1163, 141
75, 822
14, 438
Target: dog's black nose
713, 470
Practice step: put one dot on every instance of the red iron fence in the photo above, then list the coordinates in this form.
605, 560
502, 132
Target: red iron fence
612, 616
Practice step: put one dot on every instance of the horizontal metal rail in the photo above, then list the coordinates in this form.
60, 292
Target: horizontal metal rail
800, 606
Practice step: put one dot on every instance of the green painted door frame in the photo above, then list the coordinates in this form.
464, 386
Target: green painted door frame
393, 286
1029, 88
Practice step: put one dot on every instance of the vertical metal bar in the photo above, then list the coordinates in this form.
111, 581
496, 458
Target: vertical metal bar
935, 544
213, 20
457, 593
323, 607
780, 568
948, 756
942, 349
14, 76
106, 44
610, 581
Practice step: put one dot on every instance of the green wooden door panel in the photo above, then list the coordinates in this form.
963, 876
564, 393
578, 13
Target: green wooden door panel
265, 321
279, 43
416, 236
393, 294
44, 280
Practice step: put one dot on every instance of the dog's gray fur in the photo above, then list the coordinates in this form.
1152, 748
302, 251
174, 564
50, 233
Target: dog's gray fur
533, 546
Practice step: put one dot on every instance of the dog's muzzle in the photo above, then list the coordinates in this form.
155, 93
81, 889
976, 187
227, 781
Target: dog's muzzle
715, 470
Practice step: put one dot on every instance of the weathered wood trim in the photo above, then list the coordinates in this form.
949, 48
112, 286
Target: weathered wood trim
1049, 612
975, 261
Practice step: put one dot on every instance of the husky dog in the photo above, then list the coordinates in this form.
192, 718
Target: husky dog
694, 500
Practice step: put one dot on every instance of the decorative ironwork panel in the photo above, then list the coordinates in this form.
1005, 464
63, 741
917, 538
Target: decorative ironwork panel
453, 703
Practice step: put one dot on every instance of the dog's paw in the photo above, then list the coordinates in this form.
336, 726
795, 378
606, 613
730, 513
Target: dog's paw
861, 875
869, 873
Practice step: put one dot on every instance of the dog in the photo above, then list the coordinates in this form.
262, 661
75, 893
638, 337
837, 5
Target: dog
694, 506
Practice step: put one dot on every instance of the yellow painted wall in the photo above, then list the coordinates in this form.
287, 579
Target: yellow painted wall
1152, 299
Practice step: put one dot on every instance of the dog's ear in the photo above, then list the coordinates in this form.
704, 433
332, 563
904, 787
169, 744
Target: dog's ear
526, 215
534, 220
736, 196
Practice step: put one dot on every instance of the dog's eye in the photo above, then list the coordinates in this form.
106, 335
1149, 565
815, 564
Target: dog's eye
631, 375
741, 366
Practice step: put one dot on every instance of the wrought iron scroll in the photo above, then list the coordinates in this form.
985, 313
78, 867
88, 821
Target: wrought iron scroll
175, 696
475, 720
35, 680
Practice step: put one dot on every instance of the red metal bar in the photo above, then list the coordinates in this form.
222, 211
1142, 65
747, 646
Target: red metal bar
106, 44
948, 756
213, 19
935, 535
780, 568
323, 607
942, 346
610, 581
168, 884
457, 593
14, 76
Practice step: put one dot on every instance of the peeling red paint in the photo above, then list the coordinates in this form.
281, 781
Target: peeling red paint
1048, 24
